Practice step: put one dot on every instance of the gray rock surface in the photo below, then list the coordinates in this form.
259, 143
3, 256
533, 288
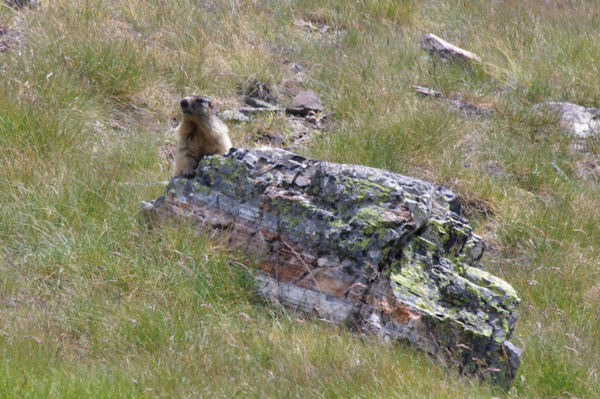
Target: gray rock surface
256, 105
236, 116
305, 102
257, 102
448, 51
381, 252
426, 91
22, 3
580, 121
272, 138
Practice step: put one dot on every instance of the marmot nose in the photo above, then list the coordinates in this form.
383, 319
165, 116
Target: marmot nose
185, 104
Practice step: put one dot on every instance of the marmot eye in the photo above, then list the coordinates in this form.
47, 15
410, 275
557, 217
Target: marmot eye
198, 101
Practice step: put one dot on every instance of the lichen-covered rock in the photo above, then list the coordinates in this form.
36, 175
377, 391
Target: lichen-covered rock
379, 251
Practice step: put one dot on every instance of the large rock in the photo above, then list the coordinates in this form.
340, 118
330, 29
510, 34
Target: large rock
577, 120
379, 251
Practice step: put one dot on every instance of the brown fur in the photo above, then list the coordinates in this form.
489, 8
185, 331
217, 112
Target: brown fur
200, 133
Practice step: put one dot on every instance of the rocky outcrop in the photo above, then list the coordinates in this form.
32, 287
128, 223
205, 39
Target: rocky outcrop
447, 51
378, 251
579, 121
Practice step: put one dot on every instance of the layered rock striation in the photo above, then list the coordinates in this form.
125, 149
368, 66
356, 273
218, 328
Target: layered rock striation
378, 251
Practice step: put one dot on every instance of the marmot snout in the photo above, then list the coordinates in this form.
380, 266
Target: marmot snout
200, 133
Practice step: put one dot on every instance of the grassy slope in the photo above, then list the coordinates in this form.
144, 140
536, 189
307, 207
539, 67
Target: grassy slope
94, 305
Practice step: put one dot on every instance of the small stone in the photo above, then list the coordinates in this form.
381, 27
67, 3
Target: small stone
304, 102
257, 102
236, 116
272, 138
513, 354
426, 91
448, 51
588, 169
258, 105
577, 120
253, 110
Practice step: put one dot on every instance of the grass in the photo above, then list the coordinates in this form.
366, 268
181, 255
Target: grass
93, 304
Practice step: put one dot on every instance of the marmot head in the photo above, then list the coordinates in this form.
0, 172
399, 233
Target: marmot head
199, 106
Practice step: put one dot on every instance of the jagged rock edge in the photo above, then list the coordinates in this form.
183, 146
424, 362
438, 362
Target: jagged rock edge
368, 317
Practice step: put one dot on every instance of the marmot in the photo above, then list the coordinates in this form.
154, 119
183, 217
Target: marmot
200, 133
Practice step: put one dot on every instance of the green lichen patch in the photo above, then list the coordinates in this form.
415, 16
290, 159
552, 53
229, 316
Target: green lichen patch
424, 245
412, 280
369, 220
217, 162
508, 294
361, 189
392, 235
